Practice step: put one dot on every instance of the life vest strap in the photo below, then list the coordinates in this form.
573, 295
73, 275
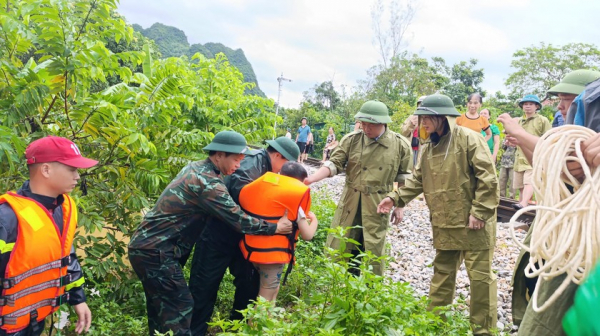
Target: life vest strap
293, 241
11, 318
266, 218
252, 249
11, 282
9, 300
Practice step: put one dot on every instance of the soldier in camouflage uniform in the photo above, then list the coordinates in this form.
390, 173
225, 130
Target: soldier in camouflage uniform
165, 238
218, 250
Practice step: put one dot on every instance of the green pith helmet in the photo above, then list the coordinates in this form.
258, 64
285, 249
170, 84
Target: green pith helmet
229, 142
437, 104
574, 82
531, 98
286, 147
374, 112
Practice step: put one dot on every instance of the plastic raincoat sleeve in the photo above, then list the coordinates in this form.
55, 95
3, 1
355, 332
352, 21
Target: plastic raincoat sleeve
487, 196
413, 187
339, 157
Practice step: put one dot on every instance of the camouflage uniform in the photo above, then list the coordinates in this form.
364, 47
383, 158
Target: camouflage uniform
218, 250
165, 239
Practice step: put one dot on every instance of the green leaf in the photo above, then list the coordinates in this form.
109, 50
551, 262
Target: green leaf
147, 63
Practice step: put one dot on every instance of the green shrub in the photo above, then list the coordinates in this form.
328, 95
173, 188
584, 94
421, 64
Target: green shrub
332, 301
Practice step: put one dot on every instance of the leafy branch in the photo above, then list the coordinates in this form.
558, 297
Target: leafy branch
85, 20
48, 109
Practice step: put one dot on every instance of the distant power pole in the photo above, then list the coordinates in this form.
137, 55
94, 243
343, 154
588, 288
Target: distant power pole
280, 79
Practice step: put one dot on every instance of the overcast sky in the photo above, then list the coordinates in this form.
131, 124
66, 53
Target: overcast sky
312, 41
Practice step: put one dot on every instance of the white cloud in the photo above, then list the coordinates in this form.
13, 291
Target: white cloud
441, 27
317, 41
312, 41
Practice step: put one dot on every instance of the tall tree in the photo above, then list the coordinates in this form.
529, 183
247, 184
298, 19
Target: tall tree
538, 68
501, 103
391, 37
323, 96
464, 79
407, 77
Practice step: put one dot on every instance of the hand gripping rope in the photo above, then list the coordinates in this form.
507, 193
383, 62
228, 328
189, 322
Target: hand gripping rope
565, 234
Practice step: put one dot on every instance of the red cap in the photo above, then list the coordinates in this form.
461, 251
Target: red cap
57, 149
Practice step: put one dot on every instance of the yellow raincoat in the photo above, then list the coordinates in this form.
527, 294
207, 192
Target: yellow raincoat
458, 179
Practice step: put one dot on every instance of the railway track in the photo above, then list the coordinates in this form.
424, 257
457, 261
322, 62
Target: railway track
506, 211
312, 162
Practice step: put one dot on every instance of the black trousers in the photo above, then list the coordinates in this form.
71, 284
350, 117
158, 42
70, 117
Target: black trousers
208, 268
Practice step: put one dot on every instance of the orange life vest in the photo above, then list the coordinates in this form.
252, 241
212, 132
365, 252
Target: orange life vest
34, 282
268, 197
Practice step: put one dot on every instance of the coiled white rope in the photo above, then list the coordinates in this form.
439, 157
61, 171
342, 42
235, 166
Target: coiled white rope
565, 234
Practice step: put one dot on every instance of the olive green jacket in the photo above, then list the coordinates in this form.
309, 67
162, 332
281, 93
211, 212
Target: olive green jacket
536, 125
548, 322
458, 179
372, 167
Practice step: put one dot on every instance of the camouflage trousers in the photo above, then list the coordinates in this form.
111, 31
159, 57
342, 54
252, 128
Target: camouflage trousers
168, 298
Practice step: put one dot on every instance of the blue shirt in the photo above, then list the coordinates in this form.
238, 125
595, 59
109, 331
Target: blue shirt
558, 120
303, 133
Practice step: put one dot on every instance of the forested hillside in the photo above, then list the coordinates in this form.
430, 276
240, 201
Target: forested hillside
172, 42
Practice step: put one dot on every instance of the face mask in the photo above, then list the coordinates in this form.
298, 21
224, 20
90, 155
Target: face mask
422, 134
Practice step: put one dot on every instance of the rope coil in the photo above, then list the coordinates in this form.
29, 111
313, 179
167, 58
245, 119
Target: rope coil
565, 237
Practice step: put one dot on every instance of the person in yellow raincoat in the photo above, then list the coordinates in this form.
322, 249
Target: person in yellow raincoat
457, 176
374, 159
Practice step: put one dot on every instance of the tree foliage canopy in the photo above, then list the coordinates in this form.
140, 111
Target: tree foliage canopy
75, 68
143, 119
538, 68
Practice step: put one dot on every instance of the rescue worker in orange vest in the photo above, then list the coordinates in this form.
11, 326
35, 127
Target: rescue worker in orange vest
278, 193
37, 226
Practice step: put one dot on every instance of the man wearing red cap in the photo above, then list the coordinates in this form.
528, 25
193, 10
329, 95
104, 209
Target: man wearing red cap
38, 263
